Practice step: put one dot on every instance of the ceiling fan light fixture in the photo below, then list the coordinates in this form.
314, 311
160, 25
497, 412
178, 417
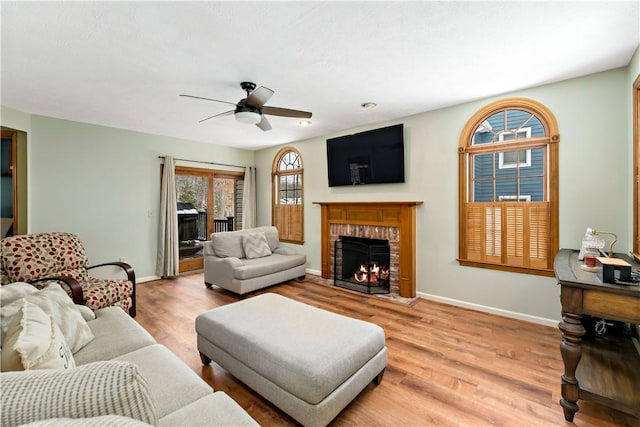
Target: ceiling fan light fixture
249, 117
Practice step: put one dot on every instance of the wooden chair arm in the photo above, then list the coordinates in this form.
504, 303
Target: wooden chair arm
76, 290
131, 275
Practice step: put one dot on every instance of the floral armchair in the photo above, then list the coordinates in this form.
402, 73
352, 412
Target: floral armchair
45, 257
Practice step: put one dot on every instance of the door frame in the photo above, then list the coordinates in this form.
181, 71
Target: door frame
191, 264
636, 168
13, 170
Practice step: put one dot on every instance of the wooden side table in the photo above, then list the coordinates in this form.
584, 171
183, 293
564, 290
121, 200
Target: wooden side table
605, 371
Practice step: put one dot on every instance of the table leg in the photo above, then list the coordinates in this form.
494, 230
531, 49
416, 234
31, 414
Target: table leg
572, 332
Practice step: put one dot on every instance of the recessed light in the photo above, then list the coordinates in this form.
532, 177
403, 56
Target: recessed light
304, 122
368, 105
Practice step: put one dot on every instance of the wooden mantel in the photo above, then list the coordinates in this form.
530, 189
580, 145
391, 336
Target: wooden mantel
384, 214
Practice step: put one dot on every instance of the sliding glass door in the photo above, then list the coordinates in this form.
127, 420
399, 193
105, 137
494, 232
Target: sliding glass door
208, 202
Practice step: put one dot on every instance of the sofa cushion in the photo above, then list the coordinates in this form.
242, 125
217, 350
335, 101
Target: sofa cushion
102, 421
255, 245
34, 341
102, 388
172, 383
214, 409
55, 302
116, 333
274, 263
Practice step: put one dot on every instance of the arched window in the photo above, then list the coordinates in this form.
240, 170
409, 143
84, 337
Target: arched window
287, 195
508, 188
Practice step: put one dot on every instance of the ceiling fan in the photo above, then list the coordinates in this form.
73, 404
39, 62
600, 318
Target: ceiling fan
251, 109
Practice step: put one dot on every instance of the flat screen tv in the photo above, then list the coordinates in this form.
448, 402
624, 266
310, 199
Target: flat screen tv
371, 157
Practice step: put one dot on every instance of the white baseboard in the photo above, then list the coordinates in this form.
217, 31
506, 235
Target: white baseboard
147, 279
313, 272
491, 310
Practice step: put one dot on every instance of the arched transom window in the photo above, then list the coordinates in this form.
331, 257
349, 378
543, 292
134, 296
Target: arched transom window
508, 188
287, 194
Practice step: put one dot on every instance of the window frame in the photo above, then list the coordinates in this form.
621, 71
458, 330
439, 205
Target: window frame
551, 177
293, 231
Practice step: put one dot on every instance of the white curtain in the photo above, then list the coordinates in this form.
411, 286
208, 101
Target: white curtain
249, 198
167, 262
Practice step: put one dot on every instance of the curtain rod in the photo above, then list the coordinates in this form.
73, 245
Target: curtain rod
208, 163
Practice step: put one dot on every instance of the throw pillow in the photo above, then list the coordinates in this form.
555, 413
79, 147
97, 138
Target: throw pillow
14, 291
34, 341
255, 245
227, 244
86, 312
54, 301
112, 387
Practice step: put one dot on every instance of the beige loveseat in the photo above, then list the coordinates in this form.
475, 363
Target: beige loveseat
246, 260
122, 377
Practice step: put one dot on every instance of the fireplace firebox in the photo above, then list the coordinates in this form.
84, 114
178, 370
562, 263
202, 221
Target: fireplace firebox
362, 264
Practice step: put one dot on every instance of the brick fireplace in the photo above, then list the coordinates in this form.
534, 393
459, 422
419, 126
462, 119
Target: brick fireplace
393, 221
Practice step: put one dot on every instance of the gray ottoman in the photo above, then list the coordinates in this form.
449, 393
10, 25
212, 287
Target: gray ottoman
307, 361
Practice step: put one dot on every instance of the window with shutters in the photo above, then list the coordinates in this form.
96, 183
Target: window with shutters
508, 188
287, 195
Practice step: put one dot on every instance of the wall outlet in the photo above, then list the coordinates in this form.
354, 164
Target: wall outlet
122, 259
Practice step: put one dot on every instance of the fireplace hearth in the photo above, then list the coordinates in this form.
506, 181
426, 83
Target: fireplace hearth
362, 264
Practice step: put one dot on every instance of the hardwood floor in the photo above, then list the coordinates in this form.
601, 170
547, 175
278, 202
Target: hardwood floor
447, 365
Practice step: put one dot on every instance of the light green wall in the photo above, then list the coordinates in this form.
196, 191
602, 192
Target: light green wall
591, 113
15, 119
101, 183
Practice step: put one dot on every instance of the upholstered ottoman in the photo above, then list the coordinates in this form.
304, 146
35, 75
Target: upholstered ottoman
307, 361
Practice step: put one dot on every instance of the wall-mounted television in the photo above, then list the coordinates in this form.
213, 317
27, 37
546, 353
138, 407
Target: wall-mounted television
371, 157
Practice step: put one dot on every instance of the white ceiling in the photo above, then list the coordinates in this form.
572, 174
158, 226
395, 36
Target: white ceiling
123, 64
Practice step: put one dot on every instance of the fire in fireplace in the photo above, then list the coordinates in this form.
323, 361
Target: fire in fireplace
362, 264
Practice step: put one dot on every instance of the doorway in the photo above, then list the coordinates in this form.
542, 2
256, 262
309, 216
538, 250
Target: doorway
9, 182
209, 201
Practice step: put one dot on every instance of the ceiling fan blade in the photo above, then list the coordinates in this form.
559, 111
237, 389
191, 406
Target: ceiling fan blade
259, 97
264, 124
207, 99
226, 113
285, 112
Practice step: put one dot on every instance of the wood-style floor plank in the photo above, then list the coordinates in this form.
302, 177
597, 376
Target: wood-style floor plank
447, 365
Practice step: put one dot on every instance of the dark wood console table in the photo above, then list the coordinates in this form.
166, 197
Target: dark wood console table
603, 370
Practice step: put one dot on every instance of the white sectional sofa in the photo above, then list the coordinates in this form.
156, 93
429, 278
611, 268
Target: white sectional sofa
246, 260
122, 377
